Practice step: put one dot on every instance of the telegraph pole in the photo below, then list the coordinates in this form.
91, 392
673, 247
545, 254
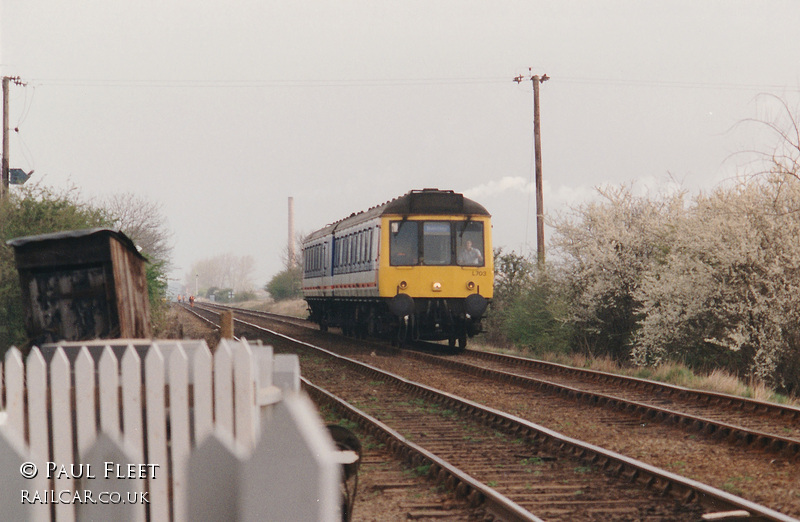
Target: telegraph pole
292, 261
537, 147
4, 173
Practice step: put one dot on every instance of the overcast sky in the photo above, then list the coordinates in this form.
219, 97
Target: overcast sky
222, 110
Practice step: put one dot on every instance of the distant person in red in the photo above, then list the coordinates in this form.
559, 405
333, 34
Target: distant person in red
191, 300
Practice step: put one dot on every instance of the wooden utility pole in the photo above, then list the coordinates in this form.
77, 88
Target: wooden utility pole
4, 170
4, 174
537, 147
292, 260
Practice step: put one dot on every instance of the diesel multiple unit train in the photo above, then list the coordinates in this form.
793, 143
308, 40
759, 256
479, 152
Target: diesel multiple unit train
418, 267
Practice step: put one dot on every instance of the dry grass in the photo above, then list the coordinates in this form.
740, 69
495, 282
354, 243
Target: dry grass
671, 373
291, 307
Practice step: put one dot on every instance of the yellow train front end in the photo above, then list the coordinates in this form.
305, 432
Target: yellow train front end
418, 267
436, 273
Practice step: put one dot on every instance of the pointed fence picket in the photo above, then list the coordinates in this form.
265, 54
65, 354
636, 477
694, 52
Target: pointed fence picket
154, 402
62, 425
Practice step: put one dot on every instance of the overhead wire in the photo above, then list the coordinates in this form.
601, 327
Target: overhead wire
358, 82
398, 82
27, 103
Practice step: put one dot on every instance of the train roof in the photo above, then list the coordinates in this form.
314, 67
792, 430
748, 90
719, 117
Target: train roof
429, 201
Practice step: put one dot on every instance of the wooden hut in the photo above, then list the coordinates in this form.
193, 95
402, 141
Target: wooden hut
82, 284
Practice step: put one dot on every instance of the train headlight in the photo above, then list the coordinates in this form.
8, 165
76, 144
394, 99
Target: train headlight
437, 286
470, 286
403, 285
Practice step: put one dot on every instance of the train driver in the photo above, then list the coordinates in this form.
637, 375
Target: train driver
469, 255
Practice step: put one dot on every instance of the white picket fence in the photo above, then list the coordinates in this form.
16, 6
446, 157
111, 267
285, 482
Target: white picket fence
196, 436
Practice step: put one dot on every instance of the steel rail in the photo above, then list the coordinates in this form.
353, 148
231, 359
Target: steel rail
711, 427
441, 471
715, 428
658, 479
745, 403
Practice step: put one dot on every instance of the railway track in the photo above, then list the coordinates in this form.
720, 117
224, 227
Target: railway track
740, 420
587, 469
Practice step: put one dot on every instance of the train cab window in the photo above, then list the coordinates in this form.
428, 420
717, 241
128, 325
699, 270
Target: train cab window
403, 243
436, 245
469, 243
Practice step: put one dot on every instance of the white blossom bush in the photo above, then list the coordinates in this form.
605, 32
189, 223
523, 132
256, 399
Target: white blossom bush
714, 283
607, 248
728, 293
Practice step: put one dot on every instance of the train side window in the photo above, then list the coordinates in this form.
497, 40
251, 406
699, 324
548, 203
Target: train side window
361, 242
469, 243
376, 244
403, 243
348, 252
368, 246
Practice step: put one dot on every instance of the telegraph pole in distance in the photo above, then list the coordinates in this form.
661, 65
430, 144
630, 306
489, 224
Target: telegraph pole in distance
537, 147
4, 173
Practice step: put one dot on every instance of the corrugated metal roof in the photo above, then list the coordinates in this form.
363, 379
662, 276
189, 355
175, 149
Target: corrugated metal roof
75, 234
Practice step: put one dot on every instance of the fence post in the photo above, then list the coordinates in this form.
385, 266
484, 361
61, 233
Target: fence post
131, 370
201, 386
15, 387
223, 387
108, 373
226, 324
287, 372
18, 494
179, 428
156, 431
292, 473
266, 393
213, 479
61, 409
38, 427
244, 389
124, 502
85, 399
